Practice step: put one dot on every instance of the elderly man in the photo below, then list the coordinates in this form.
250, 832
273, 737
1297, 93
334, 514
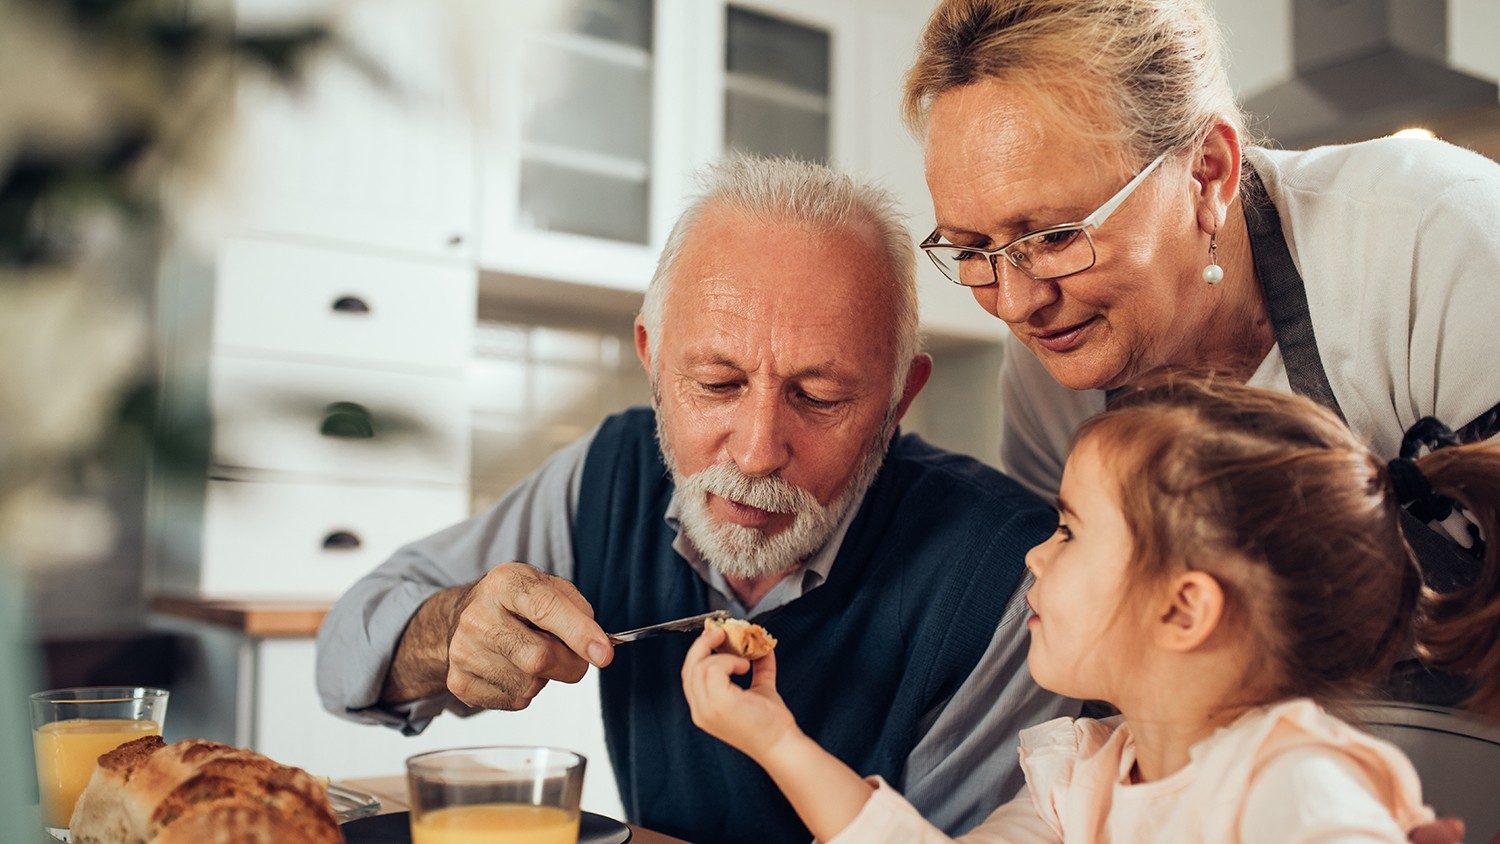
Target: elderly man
767, 479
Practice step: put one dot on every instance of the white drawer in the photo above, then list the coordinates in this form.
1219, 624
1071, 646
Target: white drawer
329, 303
309, 540
339, 422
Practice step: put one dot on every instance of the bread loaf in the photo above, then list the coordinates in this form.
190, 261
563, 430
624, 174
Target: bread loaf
203, 792
742, 638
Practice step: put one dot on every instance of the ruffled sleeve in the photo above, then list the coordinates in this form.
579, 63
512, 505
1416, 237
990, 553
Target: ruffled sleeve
888, 819
1050, 757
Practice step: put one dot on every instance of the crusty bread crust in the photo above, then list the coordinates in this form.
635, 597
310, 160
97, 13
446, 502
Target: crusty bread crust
131, 755
199, 791
742, 638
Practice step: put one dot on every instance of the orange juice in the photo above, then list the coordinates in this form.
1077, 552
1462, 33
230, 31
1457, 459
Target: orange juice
496, 823
67, 753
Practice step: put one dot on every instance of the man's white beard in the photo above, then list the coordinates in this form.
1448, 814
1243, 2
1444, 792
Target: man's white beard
745, 552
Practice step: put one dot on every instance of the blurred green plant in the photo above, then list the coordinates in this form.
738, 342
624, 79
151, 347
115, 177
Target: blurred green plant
151, 70
105, 107
101, 102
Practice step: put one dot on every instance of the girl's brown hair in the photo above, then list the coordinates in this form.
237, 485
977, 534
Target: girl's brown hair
1299, 521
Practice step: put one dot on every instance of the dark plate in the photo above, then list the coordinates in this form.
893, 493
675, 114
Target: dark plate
395, 828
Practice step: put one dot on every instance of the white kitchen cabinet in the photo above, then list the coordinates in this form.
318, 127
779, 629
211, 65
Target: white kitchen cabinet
597, 121
585, 147
783, 80
332, 382
337, 305
819, 80
349, 158
296, 540
338, 422
259, 692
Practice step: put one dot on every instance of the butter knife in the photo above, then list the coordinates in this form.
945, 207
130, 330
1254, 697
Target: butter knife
681, 625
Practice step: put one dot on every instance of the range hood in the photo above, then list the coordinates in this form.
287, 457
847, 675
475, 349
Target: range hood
1365, 68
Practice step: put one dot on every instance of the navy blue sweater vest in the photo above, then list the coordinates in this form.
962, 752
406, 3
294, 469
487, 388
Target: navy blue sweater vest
913, 599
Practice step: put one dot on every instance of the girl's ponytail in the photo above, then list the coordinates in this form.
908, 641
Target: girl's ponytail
1459, 631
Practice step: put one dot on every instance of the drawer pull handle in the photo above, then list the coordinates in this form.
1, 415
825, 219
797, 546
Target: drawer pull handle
351, 305
347, 420
341, 540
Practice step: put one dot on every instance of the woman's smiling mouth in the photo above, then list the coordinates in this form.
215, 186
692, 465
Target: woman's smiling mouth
1065, 339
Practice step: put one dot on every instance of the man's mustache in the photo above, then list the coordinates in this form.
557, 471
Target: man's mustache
769, 493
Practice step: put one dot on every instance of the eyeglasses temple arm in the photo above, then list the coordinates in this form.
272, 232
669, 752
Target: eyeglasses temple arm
1096, 219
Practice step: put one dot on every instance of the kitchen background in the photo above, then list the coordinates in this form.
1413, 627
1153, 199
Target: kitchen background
410, 286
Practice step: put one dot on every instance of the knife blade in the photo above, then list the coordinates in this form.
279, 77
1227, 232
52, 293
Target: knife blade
681, 625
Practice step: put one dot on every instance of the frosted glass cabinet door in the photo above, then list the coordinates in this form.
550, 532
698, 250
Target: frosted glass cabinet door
586, 122
358, 160
776, 85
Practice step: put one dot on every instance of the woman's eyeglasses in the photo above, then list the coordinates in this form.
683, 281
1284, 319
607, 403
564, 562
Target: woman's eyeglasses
1045, 254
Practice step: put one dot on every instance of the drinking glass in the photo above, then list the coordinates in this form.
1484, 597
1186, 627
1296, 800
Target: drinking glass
495, 795
72, 728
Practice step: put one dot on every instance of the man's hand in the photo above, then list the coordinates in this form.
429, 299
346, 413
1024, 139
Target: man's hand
496, 642
516, 629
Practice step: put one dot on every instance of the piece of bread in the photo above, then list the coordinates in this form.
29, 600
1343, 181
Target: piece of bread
742, 638
200, 791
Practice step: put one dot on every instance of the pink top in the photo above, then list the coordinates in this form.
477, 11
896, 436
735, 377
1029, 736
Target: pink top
1287, 773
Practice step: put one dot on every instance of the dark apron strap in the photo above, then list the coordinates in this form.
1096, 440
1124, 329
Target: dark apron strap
1285, 295
1446, 565
1483, 426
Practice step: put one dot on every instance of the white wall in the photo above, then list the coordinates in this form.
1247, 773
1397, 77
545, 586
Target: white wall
1259, 33
1474, 37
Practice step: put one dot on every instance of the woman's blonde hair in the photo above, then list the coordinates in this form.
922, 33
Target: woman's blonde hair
1155, 66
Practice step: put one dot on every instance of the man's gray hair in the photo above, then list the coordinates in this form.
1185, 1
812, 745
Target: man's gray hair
780, 190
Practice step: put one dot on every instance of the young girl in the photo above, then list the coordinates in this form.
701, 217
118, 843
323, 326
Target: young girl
1226, 559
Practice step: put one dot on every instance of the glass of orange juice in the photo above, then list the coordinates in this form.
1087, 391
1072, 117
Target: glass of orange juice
495, 795
72, 728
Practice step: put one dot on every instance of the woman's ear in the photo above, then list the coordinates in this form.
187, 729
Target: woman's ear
1216, 173
1194, 608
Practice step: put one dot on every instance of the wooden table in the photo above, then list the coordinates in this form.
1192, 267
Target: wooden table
267, 619
392, 794
261, 619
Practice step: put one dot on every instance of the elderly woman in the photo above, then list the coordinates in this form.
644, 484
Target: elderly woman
1095, 187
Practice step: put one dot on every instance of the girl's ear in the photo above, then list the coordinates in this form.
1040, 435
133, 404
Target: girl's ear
1194, 608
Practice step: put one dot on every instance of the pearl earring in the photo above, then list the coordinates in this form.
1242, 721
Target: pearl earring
1213, 273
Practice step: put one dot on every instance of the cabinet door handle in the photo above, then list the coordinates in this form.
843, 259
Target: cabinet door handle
351, 305
347, 420
342, 540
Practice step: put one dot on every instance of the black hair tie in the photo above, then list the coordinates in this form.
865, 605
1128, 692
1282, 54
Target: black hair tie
1413, 490
1428, 431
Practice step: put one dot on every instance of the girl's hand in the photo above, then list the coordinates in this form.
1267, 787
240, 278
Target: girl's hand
752, 720
826, 793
